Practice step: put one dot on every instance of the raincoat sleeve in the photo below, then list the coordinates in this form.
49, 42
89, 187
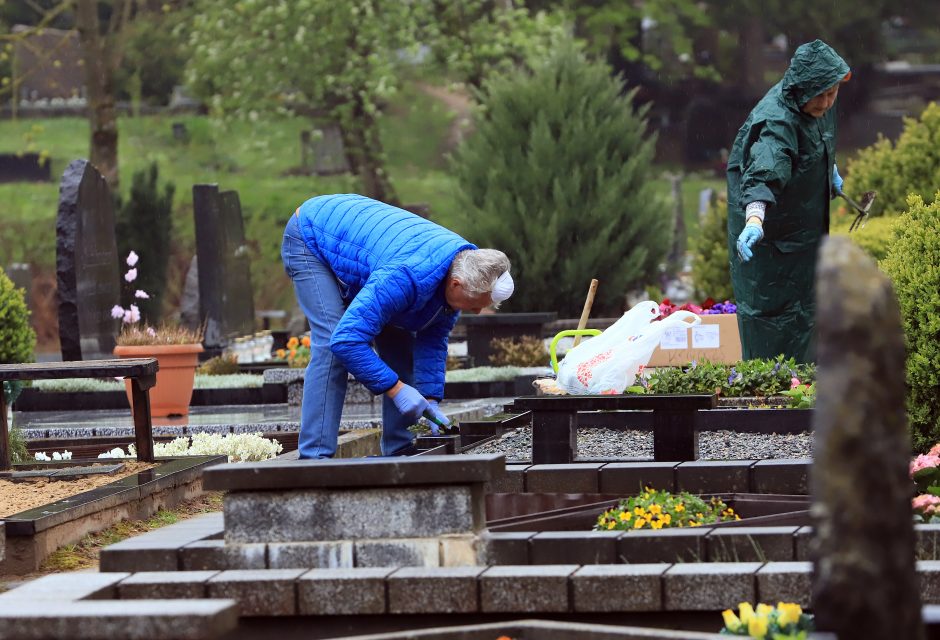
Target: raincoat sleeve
431, 356
387, 292
769, 163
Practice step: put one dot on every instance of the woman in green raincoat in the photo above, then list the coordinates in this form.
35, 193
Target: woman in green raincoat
781, 176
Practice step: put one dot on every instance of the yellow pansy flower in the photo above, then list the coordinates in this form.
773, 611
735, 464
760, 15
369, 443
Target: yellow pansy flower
788, 613
611, 525
680, 508
624, 516
655, 508
764, 609
757, 627
658, 524
639, 511
666, 518
732, 622
746, 612
638, 523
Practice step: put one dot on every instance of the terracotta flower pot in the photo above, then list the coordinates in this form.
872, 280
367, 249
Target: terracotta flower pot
174, 389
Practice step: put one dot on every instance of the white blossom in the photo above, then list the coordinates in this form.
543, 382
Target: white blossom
140, 293
132, 259
117, 311
131, 275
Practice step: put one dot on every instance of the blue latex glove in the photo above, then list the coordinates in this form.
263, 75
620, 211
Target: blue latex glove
750, 235
435, 416
836, 179
410, 403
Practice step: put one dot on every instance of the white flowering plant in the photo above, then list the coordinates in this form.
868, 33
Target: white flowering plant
132, 331
239, 447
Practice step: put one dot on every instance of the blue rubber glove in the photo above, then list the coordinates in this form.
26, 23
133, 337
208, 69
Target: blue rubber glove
409, 402
750, 235
435, 416
836, 180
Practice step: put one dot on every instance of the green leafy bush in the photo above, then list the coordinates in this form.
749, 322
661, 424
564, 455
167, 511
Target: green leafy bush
710, 268
761, 377
911, 166
558, 174
654, 509
911, 264
144, 224
873, 238
524, 351
17, 338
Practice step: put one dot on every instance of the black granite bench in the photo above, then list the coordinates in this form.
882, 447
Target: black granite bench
555, 422
142, 372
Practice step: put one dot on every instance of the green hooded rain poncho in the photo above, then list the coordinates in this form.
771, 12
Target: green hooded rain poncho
784, 157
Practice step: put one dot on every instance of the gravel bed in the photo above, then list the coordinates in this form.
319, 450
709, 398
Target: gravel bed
599, 444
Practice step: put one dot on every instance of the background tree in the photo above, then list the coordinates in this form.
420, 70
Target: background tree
558, 175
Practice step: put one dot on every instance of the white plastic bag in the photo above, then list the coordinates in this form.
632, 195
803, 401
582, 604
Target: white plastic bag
609, 362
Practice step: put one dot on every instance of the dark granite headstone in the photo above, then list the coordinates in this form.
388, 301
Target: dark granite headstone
225, 296
24, 167
864, 581
89, 281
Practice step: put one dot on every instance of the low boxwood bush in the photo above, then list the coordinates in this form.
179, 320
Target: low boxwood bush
911, 263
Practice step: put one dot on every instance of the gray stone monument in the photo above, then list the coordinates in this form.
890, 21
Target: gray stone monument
329, 154
864, 582
88, 277
225, 297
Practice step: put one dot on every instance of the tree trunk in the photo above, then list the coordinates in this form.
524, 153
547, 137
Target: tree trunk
99, 85
751, 57
365, 154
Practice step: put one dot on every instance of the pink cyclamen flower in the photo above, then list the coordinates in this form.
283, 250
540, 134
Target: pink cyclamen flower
924, 462
794, 382
926, 503
140, 293
934, 450
117, 311
131, 275
132, 259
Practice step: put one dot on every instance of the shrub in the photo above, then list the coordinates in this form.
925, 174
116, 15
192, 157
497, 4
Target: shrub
911, 263
558, 174
661, 510
222, 365
911, 166
524, 351
873, 238
17, 338
710, 268
144, 224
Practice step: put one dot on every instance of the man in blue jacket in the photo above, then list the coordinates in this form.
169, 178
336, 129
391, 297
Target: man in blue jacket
368, 273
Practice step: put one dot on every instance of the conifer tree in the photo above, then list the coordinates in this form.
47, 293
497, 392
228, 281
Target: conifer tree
558, 174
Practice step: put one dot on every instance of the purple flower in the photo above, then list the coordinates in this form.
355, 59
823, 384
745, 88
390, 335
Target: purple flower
132, 259
117, 311
140, 293
131, 275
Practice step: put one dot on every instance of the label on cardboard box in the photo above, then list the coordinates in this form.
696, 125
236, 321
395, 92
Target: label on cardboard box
706, 336
675, 338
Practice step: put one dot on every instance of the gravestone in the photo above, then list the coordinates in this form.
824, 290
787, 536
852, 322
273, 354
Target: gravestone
189, 300
24, 167
47, 64
88, 278
19, 273
864, 571
225, 297
329, 154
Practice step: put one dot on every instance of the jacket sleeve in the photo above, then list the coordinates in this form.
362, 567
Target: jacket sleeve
768, 163
387, 292
431, 356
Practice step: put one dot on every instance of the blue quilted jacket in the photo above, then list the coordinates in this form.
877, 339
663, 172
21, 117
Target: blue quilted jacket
391, 266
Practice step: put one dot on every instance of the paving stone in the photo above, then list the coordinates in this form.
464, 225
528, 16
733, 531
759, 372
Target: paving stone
462, 551
630, 478
313, 515
403, 552
119, 620
73, 472
708, 586
927, 541
266, 592
928, 574
789, 477
801, 543
165, 585
64, 587
663, 545
563, 478
574, 547
342, 591
528, 589
785, 582
310, 555
714, 476
513, 481
218, 555
751, 544
439, 590
510, 547
158, 550
359, 472
618, 587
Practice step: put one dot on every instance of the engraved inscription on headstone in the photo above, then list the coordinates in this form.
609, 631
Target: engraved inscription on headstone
89, 282
225, 296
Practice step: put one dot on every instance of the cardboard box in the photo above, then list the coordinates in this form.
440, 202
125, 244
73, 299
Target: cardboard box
716, 339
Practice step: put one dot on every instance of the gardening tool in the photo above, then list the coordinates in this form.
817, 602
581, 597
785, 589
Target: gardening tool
588, 303
441, 427
861, 208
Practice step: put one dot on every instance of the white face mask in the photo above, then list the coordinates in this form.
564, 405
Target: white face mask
503, 287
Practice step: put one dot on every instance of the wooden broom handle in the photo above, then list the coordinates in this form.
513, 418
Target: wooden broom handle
588, 303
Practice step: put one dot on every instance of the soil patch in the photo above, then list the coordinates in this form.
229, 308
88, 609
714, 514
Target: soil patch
27, 493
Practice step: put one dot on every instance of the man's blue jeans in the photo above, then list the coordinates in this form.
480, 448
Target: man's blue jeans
318, 293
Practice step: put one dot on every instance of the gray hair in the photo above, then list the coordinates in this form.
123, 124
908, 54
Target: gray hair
477, 269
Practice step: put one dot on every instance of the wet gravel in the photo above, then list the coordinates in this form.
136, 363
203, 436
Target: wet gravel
601, 444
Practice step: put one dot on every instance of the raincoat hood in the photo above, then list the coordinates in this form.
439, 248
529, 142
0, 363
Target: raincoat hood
815, 67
